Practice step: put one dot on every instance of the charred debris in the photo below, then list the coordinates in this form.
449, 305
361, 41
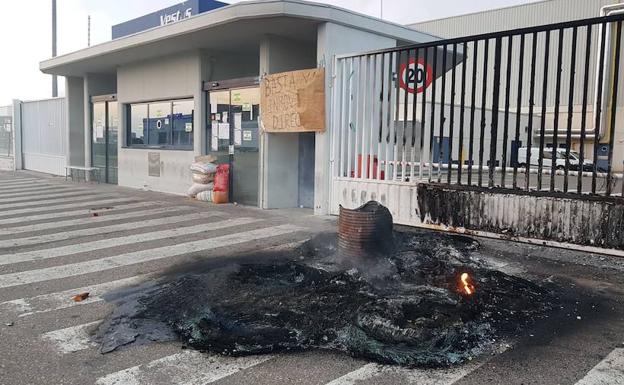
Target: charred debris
410, 299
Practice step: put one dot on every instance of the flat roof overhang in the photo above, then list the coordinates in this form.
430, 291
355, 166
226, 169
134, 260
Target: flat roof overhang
239, 26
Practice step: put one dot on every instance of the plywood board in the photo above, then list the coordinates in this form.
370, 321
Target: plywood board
293, 101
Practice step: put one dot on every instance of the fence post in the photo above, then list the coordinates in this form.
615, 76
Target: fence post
17, 135
495, 108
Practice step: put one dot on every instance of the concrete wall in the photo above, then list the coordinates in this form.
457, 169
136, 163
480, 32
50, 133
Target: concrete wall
74, 93
545, 218
44, 135
280, 153
334, 39
171, 77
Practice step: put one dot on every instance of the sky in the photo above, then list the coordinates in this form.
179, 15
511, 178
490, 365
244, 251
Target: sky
26, 31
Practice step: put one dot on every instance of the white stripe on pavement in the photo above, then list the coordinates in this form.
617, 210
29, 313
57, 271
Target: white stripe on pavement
98, 265
54, 188
367, 373
34, 240
79, 198
72, 339
33, 188
44, 303
186, 368
92, 220
43, 195
101, 209
27, 256
88, 203
12, 186
609, 371
10, 182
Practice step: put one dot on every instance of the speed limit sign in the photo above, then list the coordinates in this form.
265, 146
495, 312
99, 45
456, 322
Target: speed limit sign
416, 76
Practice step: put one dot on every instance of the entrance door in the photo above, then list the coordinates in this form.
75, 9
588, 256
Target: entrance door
104, 138
233, 136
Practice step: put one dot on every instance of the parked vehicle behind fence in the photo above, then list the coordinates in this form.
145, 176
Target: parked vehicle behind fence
560, 161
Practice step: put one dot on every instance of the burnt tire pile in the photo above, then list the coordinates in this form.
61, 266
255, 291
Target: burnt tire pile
404, 308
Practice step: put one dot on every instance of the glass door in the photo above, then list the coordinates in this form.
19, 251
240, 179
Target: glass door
112, 124
233, 136
98, 139
104, 139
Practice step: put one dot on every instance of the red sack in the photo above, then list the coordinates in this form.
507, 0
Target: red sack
222, 178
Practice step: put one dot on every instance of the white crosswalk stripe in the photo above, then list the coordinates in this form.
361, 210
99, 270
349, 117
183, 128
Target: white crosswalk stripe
120, 241
99, 209
26, 192
53, 237
33, 188
19, 182
91, 220
53, 194
23, 186
71, 339
89, 203
609, 371
44, 303
78, 198
58, 272
367, 374
186, 368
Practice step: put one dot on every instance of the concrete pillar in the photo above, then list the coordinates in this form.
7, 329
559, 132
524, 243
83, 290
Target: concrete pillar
17, 135
279, 153
74, 94
86, 98
199, 118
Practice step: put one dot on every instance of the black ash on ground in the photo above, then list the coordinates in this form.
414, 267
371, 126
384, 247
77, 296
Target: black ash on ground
407, 308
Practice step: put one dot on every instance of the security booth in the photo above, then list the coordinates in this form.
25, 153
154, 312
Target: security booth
142, 106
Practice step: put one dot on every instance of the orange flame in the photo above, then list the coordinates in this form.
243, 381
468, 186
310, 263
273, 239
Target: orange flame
468, 288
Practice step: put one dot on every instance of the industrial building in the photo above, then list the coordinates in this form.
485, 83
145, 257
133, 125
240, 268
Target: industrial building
187, 78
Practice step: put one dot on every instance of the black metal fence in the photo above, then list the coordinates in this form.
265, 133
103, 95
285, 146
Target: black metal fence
533, 109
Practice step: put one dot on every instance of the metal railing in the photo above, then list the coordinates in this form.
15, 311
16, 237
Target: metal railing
533, 109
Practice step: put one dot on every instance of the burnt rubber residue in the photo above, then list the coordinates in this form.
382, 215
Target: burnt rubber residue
408, 308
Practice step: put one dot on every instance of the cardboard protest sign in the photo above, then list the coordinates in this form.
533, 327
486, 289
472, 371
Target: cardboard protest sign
293, 101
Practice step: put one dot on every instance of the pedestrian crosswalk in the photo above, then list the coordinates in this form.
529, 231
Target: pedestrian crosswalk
49, 236
187, 368
609, 371
71, 339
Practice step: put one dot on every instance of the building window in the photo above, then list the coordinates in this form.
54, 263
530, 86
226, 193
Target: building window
138, 123
182, 123
162, 124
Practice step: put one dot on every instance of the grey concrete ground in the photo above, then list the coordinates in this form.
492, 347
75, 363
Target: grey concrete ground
52, 247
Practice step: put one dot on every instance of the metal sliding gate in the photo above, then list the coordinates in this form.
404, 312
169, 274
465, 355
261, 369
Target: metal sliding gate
517, 132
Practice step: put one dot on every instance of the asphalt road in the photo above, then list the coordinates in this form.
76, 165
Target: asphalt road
52, 247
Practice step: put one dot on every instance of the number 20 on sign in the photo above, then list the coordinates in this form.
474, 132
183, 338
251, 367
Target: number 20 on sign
415, 76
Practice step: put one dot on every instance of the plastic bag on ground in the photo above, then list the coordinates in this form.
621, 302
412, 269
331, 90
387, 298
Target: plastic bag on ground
196, 188
204, 196
203, 168
202, 178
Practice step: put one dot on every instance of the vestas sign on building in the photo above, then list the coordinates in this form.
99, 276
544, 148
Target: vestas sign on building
165, 16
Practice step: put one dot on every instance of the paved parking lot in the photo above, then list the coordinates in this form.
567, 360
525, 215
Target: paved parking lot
53, 247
